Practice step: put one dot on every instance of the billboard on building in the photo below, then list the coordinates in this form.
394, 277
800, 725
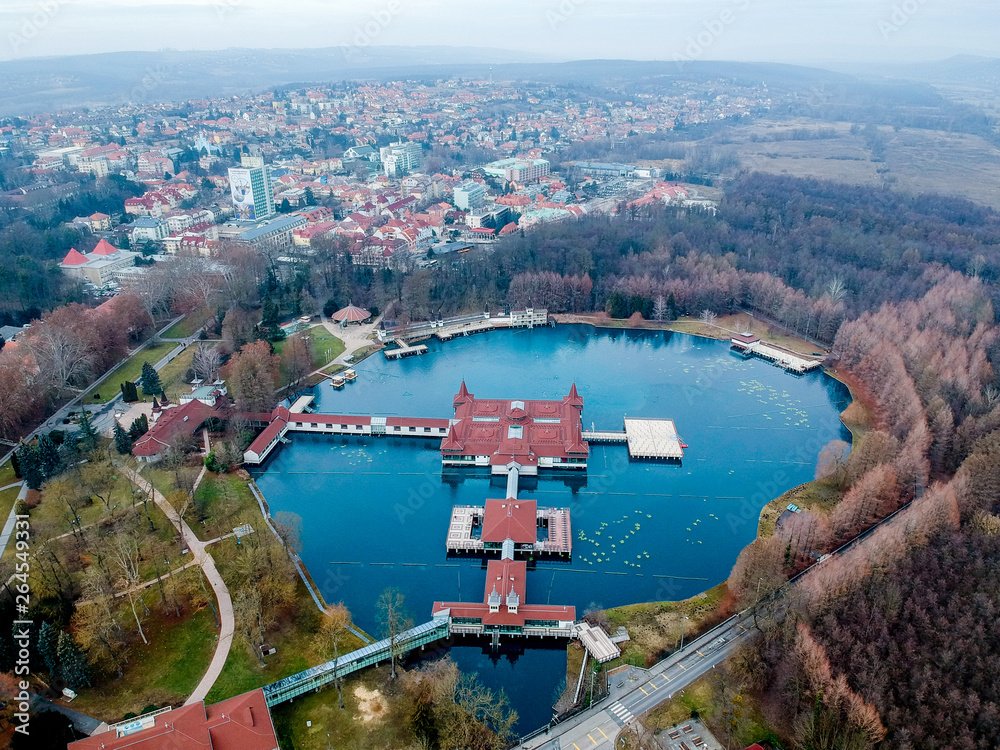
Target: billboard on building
242, 191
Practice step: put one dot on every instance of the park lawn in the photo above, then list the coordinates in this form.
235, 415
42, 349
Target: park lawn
166, 671
293, 640
7, 474
131, 370
186, 326
225, 498
332, 727
7, 498
324, 345
172, 374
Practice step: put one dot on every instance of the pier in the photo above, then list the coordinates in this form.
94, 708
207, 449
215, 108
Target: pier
653, 438
405, 350
751, 346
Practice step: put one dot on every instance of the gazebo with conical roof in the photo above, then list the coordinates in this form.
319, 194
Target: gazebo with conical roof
352, 315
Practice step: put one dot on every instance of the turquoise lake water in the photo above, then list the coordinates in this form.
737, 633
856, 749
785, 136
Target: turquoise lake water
642, 531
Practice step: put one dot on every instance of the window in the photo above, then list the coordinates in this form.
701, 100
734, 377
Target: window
515, 432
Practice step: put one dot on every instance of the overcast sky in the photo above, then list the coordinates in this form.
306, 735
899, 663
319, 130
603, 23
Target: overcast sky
809, 31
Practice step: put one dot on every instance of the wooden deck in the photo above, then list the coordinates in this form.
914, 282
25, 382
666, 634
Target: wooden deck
405, 351
653, 438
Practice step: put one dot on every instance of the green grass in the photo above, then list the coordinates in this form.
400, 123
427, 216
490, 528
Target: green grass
131, 370
226, 498
324, 345
165, 671
7, 498
7, 474
186, 326
172, 374
295, 652
331, 727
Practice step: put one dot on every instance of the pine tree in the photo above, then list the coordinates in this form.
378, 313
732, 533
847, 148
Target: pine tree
150, 380
31, 466
87, 433
75, 670
48, 648
48, 456
123, 443
138, 428
129, 392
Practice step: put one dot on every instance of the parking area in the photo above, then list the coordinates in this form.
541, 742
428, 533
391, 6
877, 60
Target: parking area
689, 735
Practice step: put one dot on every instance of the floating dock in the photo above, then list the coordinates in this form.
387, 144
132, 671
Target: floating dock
350, 375
751, 346
405, 350
653, 438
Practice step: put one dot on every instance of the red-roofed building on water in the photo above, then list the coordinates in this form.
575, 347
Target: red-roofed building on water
531, 434
240, 723
503, 609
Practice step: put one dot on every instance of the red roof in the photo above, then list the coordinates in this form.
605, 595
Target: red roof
273, 429
240, 723
74, 258
746, 338
351, 314
510, 519
514, 430
173, 422
105, 248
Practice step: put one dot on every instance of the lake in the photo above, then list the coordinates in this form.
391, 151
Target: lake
642, 531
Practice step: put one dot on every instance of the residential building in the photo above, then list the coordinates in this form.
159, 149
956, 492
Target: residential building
148, 229
399, 159
518, 170
469, 195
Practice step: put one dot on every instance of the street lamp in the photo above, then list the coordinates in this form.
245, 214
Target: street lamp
683, 628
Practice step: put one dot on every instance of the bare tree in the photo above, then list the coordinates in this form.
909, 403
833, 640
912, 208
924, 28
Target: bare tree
206, 362
333, 632
708, 317
660, 310
393, 619
836, 290
62, 356
247, 609
125, 555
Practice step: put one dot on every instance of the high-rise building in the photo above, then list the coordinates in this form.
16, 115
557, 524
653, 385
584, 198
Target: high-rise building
469, 195
400, 158
251, 188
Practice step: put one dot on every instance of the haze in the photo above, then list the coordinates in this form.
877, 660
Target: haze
805, 31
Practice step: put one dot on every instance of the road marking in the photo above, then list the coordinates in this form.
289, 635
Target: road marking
643, 690
591, 738
602, 733
665, 678
576, 746
699, 653
621, 713
652, 685
682, 666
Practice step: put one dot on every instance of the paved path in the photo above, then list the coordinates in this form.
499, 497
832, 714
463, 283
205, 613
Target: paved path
207, 563
354, 338
8, 527
144, 584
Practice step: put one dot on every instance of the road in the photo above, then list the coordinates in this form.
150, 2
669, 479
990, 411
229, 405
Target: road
644, 690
